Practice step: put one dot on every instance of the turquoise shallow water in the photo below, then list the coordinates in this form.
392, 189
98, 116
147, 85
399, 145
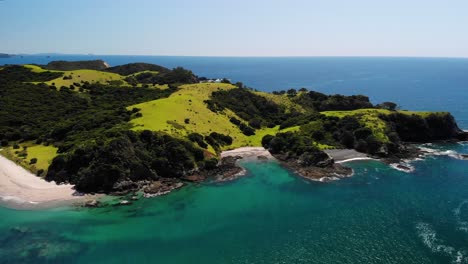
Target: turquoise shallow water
380, 215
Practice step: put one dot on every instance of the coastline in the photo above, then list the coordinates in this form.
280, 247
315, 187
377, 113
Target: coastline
20, 189
322, 174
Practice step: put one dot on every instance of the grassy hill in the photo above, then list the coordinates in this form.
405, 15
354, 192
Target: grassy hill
185, 112
80, 76
91, 76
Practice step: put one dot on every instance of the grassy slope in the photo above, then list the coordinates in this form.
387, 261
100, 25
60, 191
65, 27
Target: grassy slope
91, 76
43, 154
370, 118
78, 76
282, 100
138, 73
169, 115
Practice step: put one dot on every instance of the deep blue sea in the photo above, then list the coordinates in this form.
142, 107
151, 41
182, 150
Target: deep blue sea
380, 215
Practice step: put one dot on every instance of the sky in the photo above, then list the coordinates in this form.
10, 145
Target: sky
236, 27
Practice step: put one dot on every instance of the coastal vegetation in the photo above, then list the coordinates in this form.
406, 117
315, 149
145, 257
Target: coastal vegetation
143, 126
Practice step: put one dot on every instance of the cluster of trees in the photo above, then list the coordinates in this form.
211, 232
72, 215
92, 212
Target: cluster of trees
295, 146
178, 75
22, 74
216, 140
255, 109
132, 68
345, 132
246, 130
76, 65
415, 128
321, 102
62, 117
127, 157
248, 106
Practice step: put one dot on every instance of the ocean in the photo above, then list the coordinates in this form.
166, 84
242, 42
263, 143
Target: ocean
380, 215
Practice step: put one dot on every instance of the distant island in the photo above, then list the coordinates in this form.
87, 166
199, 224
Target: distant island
5, 55
145, 128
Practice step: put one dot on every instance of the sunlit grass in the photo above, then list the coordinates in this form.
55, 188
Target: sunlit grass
43, 154
185, 112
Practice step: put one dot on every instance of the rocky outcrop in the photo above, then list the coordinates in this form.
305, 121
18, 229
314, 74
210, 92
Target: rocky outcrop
226, 170
317, 166
161, 187
92, 203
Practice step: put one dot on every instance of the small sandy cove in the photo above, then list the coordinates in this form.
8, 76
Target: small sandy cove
20, 189
248, 153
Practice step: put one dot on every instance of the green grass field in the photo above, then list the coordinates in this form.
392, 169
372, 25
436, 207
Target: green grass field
43, 154
185, 112
91, 76
35, 68
138, 73
78, 76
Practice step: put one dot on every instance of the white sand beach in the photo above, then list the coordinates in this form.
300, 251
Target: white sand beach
346, 155
248, 153
21, 189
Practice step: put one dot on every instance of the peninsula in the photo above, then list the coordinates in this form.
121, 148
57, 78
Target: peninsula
143, 127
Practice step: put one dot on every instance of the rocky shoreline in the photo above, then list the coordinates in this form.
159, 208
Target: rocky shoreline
329, 168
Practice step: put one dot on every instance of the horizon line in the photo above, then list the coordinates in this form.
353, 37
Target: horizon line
241, 56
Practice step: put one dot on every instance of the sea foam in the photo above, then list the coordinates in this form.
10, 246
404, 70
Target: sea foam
429, 238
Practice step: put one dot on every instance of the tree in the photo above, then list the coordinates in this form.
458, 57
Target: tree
292, 92
388, 106
347, 139
239, 85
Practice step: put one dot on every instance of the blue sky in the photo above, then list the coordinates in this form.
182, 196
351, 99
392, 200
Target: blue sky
236, 28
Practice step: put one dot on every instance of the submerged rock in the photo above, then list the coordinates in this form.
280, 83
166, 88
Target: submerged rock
92, 203
161, 187
125, 202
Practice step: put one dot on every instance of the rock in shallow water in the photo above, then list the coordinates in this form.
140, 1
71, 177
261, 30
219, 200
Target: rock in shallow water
92, 203
125, 202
